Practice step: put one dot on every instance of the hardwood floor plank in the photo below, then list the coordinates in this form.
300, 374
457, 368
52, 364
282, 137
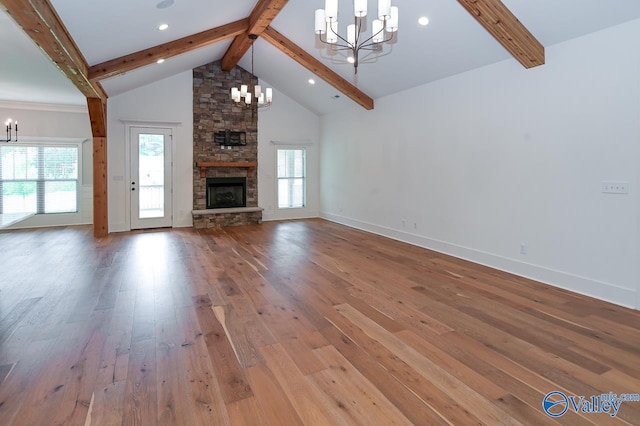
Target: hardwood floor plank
108, 405
428, 392
353, 394
452, 366
275, 407
207, 401
310, 403
22, 381
302, 356
10, 322
5, 370
174, 405
114, 359
81, 371
245, 412
458, 390
417, 410
246, 351
559, 374
519, 382
292, 322
141, 396
556, 344
229, 372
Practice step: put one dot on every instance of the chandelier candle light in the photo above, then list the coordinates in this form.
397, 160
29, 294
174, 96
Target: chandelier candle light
243, 93
9, 125
326, 27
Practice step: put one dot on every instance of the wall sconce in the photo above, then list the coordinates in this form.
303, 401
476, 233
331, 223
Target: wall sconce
10, 124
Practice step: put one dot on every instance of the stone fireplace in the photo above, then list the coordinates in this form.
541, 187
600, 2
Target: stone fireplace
214, 112
226, 192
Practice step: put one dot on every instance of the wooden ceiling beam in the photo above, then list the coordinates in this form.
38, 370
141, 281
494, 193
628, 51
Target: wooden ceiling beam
318, 68
41, 23
260, 18
149, 56
240, 45
496, 18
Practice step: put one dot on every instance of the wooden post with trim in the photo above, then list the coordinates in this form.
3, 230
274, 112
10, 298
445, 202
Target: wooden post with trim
98, 116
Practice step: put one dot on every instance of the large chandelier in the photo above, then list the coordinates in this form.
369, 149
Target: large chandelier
264, 99
382, 29
9, 126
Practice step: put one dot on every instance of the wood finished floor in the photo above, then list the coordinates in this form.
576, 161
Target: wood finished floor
289, 323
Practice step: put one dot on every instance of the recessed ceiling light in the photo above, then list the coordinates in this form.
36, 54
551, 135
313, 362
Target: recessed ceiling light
312, 81
159, 61
350, 59
424, 21
163, 27
164, 4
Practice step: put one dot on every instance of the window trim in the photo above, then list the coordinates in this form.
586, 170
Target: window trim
287, 147
49, 142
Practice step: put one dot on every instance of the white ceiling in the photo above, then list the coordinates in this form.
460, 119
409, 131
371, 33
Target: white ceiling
452, 43
26, 75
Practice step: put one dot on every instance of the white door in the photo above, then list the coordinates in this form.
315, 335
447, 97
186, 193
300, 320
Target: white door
151, 170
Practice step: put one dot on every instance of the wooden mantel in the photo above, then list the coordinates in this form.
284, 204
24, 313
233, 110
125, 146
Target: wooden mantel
250, 166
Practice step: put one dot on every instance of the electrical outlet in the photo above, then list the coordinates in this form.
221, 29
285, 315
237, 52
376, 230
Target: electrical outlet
524, 249
615, 187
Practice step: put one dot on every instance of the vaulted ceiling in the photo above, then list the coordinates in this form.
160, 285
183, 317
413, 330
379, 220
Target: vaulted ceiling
455, 41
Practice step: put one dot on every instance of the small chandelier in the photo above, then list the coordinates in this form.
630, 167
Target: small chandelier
326, 24
9, 125
264, 99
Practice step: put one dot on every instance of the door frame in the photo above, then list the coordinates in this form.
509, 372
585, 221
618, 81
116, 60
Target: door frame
128, 124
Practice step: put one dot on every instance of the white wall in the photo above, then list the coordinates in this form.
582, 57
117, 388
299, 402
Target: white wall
287, 124
43, 123
169, 101
478, 164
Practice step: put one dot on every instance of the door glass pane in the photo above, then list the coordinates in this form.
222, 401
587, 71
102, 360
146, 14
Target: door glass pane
151, 176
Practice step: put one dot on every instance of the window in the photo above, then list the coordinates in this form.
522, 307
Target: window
291, 178
38, 178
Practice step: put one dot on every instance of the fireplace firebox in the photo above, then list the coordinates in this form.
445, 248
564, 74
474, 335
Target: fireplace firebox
226, 192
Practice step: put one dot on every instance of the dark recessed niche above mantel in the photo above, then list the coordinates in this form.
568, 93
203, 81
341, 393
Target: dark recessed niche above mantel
230, 138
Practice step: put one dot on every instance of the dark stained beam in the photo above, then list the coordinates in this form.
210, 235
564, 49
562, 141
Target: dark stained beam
260, 18
166, 50
41, 23
496, 18
315, 66
98, 117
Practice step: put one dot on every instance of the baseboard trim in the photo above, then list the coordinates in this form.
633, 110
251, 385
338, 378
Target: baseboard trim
575, 283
